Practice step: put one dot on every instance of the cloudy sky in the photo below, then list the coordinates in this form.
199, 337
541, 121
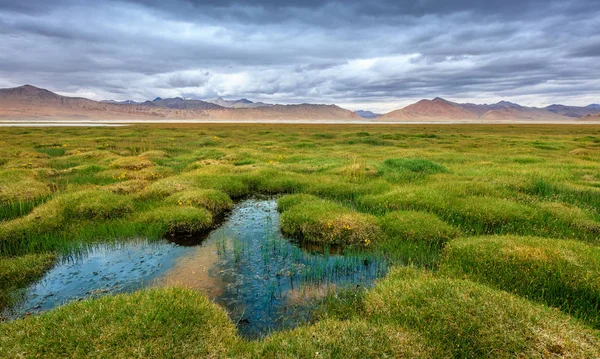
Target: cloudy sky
376, 55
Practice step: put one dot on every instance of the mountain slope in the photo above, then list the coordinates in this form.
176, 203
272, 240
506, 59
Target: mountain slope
32, 103
241, 103
437, 108
574, 111
440, 109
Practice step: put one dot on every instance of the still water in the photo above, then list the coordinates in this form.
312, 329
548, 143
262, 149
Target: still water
265, 281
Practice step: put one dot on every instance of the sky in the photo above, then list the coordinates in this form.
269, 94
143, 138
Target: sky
373, 55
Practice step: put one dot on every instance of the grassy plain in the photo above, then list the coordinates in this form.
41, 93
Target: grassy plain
494, 232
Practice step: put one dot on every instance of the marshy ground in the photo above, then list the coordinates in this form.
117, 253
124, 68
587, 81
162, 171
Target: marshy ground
486, 238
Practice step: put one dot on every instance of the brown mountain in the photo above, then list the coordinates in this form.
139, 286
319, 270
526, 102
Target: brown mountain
437, 108
593, 117
32, 103
573, 111
440, 109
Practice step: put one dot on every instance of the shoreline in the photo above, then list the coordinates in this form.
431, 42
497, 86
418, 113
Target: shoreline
125, 122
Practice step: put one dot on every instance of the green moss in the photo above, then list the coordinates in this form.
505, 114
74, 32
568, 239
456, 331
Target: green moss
564, 274
469, 320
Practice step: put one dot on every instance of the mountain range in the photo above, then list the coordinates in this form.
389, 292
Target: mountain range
33, 103
440, 109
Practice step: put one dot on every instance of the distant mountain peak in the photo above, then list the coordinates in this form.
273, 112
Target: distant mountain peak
157, 99
367, 114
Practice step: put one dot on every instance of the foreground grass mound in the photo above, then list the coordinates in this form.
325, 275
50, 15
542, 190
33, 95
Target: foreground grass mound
17, 272
469, 320
560, 273
167, 323
175, 219
345, 339
316, 220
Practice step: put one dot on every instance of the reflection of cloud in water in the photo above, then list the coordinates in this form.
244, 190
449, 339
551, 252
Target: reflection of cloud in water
193, 271
262, 279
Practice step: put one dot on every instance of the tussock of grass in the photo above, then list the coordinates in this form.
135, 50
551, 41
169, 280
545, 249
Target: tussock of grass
154, 154
417, 165
408, 169
168, 186
167, 323
417, 227
94, 205
176, 219
215, 201
484, 214
322, 221
21, 186
270, 181
286, 202
580, 196
19, 233
132, 163
17, 272
345, 339
128, 187
561, 273
468, 320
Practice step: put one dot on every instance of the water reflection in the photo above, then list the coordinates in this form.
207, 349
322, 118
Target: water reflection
262, 279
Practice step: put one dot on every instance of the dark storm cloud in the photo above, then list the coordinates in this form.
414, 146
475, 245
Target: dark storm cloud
378, 52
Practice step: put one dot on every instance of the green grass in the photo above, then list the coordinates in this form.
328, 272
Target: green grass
215, 201
563, 274
17, 272
316, 220
457, 199
153, 324
468, 320
176, 219
417, 227
410, 314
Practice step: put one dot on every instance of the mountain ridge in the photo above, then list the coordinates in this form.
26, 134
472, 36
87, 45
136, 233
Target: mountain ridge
442, 109
30, 102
